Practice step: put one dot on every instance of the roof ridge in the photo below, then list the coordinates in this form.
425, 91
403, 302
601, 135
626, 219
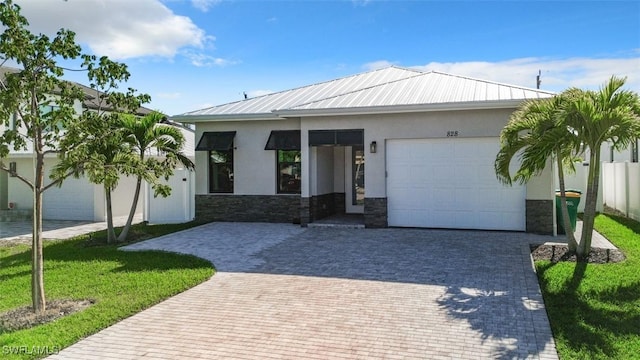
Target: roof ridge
305, 86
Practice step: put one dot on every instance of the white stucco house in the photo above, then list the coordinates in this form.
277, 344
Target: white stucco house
78, 199
404, 148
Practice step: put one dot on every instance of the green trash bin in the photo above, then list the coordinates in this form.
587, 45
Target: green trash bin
573, 200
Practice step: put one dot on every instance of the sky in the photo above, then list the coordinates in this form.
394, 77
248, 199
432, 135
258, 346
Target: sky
193, 54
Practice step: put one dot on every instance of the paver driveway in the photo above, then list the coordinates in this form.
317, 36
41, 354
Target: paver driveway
282, 291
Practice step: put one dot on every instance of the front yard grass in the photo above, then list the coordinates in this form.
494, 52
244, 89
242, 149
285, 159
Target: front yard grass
120, 283
594, 309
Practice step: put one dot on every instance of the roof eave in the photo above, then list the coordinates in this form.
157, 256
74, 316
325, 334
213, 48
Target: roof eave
192, 119
472, 105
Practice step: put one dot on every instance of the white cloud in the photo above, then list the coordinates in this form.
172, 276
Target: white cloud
557, 74
360, 2
203, 60
120, 29
204, 5
375, 65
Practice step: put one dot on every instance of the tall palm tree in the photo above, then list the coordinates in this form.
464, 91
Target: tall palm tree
610, 114
535, 133
143, 135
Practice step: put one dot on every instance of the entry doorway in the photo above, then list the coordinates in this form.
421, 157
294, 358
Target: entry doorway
354, 179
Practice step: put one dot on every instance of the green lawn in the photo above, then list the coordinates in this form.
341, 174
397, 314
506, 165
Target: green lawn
595, 309
121, 284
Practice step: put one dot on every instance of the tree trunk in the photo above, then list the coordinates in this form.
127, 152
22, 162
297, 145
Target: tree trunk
111, 234
591, 201
37, 264
566, 223
125, 231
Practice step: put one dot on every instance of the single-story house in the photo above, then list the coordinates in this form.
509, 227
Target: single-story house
405, 148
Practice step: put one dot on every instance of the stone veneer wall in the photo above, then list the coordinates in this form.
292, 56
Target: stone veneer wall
375, 212
539, 215
322, 206
259, 208
305, 211
339, 202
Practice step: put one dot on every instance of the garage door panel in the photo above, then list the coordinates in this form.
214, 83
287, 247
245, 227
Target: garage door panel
452, 184
436, 153
438, 174
465, 173
72, 201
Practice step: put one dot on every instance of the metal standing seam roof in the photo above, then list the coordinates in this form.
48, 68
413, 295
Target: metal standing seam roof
384, 88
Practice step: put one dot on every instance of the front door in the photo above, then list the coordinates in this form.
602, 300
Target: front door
354, 179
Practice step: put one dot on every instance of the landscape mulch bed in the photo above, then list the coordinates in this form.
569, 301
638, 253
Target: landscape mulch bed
557, 253
24, 317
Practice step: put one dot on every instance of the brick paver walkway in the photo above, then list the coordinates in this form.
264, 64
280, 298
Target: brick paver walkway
283, 292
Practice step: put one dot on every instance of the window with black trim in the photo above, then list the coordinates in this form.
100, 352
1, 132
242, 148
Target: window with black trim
289, 171
221, 171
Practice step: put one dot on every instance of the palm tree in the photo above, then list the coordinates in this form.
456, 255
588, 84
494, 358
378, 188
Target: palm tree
101, 158
536, 133
610, 114
143, 135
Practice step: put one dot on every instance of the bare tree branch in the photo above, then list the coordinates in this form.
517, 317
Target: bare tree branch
16, 175
56, 182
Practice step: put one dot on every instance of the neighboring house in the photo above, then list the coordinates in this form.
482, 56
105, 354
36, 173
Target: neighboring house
403, 147
77, 199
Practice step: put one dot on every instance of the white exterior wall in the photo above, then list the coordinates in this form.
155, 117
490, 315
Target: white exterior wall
338, 169
4, 190
73, 201
19, 193
324, 173
77, 199
379, 128
254, 167
121, 199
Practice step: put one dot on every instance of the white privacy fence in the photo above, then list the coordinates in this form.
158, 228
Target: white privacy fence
177, 207
621, 187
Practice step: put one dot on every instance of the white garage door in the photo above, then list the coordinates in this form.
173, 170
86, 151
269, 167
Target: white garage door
72, 201
450, 183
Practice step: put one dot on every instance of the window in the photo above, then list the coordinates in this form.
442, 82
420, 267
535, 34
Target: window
219, 146
14, 122
286, 143
46, 112
289, 171
221, 171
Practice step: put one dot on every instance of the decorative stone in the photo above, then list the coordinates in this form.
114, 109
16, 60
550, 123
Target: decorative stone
375, 212
248, 208
539, 216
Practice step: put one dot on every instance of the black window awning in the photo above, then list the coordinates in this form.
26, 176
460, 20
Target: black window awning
217, 140
283, 140
336, 137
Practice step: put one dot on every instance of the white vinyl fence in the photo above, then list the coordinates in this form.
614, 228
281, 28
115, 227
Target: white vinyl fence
176, 208
621, 187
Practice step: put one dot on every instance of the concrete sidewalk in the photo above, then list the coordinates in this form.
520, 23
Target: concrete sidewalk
20, 231
284, 292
